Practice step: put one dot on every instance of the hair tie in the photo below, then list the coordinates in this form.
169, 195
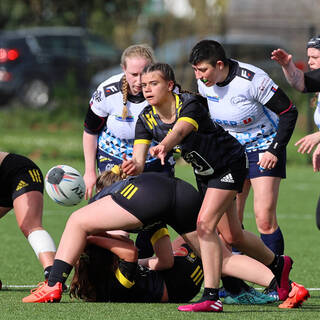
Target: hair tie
116, 170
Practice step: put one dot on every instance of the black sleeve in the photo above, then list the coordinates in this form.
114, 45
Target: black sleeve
312, 81
93, 124
141, 131
287, 112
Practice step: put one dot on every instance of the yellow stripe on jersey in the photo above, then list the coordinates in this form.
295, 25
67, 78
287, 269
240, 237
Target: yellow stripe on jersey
142, 141
197, 282
129, 191
158, 235
191, 121
178, 104
35, 175
151, 121
197, 275
123, 280
38, 174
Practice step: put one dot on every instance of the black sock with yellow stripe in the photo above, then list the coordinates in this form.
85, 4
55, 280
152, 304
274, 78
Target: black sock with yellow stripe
59, 272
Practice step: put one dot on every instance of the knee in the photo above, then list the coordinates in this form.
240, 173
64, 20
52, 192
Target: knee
233, 239
266, 222
204, 228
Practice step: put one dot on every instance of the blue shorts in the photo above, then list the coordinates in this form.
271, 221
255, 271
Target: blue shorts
278, 171
105, 162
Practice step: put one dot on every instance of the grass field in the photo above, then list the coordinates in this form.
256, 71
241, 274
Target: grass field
61, 144
296, 217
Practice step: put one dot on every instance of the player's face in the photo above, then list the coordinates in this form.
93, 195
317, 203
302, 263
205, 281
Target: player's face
156, 89
313, 58
133, 70
208, 74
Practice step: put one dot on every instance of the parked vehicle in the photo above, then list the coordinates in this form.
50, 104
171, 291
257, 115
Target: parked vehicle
252, 49
34, 60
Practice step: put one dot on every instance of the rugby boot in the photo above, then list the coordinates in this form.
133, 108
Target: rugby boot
44, 293
296, 296
203, 306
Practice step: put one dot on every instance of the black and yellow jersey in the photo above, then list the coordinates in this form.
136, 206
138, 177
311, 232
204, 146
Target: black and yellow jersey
134, 283
209, 147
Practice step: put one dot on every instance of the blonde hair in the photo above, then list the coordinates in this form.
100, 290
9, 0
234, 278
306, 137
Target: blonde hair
137, 50
109, 177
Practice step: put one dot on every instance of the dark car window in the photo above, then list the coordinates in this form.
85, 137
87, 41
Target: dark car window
61, 45
98, 48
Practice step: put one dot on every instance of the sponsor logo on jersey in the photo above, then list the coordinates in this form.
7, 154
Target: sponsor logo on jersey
245, 74
97, 96
237, 99
227, 178
110, 89
127, 119
273, 89
233, 123
213, 98
21, 185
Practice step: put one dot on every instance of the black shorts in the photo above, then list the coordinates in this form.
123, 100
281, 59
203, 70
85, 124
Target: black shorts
153, 197
18, 175
184, 280
231, 178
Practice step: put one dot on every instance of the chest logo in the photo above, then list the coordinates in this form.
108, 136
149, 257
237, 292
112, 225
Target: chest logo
213, 98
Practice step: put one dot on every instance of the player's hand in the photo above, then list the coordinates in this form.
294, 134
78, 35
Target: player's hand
316, 159
90, 179
129, 166
268, 161
281, 56
159, 152
307, 143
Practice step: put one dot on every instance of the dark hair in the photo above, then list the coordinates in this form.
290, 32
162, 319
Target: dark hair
164, 68
314, 43
92, 274
208, 50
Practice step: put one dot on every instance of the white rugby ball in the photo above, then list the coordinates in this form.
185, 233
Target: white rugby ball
65, 185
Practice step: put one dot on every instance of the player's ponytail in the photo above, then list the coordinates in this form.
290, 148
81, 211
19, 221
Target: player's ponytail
125, 88
109, 177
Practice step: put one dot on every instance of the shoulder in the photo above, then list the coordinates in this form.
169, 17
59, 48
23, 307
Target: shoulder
111, 86
250, 72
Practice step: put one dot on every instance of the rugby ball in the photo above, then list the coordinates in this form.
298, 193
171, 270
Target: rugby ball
65, 185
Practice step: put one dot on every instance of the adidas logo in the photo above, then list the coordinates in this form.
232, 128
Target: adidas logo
21, 185
227, 178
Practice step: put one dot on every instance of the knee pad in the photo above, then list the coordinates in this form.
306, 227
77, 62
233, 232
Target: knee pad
41, 241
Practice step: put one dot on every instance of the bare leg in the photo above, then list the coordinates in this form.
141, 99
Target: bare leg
242, 198
101, 215
28, 210
247, 242
266, 191
215, 203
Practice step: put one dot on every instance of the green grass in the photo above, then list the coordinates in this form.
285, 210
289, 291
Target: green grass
296, 216
61, 143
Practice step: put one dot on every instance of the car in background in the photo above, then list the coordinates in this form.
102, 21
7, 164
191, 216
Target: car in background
34, 60
251, 49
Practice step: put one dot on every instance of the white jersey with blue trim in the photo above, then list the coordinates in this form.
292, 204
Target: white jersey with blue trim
118, 134
239, 106
316, 115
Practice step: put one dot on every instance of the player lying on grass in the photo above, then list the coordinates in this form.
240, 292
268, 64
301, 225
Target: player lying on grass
122, 206
108, 270
22, 190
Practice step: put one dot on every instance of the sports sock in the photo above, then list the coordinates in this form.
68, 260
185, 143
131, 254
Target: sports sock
59, 272
274, 241
276, 267
46, 272
210, 294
